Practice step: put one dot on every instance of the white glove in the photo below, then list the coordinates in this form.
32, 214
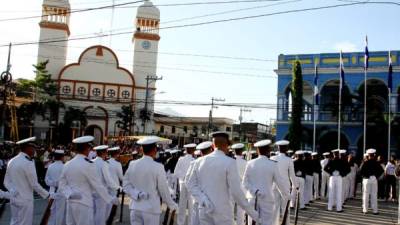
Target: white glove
13, 193
5, 195
174, 207
143, 195
255, 216
115, 201
207, 204
75, 196
55, 196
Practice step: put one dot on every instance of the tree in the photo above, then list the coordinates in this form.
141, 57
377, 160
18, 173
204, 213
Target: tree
71, 115
295, 129
126, 118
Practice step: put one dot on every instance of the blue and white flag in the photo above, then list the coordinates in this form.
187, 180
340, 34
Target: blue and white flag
390, 74
341, 71
366, 56
316, 90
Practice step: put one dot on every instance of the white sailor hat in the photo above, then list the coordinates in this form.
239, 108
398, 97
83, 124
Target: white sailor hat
314, 153
219, 134
175, 151
192, 145
290, 151
197, 152
253, 152
116, 148
59, 151
100, 148
148, 140
342, 151
83, 139
335, 150
262, 143
204, 145
26, 141
371, 151
282, 142
326, 153
134, 152
299, 152
237, 146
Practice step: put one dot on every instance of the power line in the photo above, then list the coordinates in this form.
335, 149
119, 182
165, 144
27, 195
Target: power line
199, 24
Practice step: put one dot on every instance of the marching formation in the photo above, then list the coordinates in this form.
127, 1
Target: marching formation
214, 183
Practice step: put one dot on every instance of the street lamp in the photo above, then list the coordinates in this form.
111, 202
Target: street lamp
52, 125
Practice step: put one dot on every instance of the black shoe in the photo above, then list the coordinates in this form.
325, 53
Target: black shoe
291, 207
340, 211
365, 213
376, 213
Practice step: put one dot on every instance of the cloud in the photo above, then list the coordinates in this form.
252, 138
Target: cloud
345, 46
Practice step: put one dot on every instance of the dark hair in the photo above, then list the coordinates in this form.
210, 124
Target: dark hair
81, 147
58, 156
148, 148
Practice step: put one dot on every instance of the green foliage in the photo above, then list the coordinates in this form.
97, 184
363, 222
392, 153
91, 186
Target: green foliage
43, 83
295, 129
74, 114
126, 118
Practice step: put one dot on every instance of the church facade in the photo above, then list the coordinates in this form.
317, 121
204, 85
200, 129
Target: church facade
96, 83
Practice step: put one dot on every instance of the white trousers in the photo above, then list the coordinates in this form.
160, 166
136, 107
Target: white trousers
212, 219
143, 218
279, 208
101, 211
335, 193
194, 219
21, 213
239, 214
58, 211
300, 181
185, 202
316, 186
370, 192
266, 210
346, 188
78, 214
308, 188
353, 177
324, 184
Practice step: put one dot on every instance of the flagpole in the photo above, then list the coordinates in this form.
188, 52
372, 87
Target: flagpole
340, 113
314, 109
389, 124
365, 111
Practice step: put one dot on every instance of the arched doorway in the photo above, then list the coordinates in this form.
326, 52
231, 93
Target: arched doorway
96, 132
308, 94
328, 140
329, 102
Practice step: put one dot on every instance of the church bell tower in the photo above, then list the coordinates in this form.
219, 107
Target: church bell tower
54, 33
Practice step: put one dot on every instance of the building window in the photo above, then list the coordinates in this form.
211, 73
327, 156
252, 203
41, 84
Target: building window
81, 91
162, 129
96, 92
228, 129
173, 130
125, 94
66, 89
185, 129
111, 93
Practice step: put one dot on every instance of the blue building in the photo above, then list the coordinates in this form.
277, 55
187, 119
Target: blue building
352, 100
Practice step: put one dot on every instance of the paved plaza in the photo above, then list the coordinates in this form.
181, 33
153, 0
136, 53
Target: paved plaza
316, 214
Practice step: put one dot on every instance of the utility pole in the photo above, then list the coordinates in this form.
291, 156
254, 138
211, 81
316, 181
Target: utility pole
210, 116
242, 110
6, 80
149, 79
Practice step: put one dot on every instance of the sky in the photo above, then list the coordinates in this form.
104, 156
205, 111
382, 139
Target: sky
198, 79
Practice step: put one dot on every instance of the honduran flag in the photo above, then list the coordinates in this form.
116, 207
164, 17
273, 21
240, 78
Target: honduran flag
366, 56
341, 72
390, 74
316, 90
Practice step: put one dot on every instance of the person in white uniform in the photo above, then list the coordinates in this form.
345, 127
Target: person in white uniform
259, 178
181, 169
79, 181
53, 174
324, 175
370, 171
115, 167
286, 171
346, 179
241, 165
316, 171
213, 181
102, 208
21, 180
300, 180
309, 178
145, 182
204, 149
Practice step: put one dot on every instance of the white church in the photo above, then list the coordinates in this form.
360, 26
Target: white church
96, 83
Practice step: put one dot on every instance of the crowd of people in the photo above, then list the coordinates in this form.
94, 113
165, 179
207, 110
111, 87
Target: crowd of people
211, 183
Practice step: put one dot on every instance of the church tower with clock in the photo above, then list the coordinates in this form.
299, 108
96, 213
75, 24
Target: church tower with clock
145, 41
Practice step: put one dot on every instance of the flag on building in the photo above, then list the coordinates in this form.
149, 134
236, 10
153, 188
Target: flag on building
341, 73
316, 90
390, 74
366, 56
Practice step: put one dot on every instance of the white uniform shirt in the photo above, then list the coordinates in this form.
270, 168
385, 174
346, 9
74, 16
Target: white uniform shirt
103, 170
80, 175
260, 174
241, 165
115, 171
149, 176
182, 167
21, 178
53, 175
215, 177
324, 162
286, 169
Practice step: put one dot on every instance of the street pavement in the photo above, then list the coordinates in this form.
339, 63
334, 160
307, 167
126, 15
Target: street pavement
316, 214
